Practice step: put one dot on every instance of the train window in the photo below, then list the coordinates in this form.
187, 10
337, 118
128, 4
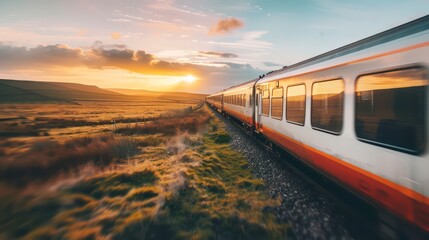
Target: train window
327, 106
391, 109
250, 100
244, 100
265, 102
295, 104
277, 103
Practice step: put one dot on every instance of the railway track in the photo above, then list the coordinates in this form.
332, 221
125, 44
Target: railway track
364, 220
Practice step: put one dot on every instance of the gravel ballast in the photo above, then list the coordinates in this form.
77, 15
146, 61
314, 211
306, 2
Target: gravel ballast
311, 213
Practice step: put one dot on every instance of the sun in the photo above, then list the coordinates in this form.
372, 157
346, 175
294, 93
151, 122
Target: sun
189, 79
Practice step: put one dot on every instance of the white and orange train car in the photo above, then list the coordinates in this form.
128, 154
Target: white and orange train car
216, 101
238, 102
358, 114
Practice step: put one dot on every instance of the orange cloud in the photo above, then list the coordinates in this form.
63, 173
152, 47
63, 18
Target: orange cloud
99, 56
45, 58
116, 35
218, 54
226, 25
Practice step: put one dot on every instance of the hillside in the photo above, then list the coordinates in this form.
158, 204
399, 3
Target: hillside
20, 91
35, 91
10, 93
175, 95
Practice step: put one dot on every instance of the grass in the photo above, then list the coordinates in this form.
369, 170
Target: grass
171, 124
46, 158
182, 183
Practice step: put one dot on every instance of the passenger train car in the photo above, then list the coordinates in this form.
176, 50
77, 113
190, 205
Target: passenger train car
358, 114
238, 102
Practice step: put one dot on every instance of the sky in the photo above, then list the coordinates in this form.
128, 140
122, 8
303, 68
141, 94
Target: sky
180, 45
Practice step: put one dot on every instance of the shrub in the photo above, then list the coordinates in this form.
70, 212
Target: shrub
222, 137
48, 157
183, 121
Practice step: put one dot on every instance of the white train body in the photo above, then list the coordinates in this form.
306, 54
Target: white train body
358, 114
238, 102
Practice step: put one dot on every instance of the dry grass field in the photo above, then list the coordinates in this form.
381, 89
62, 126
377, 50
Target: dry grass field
115, 170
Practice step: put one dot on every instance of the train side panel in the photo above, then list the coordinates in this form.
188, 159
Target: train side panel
394, 179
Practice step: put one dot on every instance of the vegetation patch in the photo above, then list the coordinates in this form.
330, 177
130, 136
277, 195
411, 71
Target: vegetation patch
172, 124
189, 184
48, 157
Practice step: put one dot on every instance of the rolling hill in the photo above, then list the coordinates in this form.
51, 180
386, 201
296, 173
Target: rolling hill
20, 91
160, 95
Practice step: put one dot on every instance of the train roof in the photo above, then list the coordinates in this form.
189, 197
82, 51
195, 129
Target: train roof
384, 38
416, 26
242, 85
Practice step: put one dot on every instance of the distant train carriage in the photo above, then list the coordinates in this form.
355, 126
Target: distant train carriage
358, 114
238, 102
216, 100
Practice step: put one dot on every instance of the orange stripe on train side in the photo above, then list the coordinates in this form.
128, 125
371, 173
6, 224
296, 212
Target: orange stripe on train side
244, 118
402, 201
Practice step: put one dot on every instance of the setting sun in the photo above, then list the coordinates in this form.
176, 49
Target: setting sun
190, 79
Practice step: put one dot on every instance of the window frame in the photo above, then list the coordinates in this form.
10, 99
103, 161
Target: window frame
311, 107
262, 103
305, 104
271, 102
384, 145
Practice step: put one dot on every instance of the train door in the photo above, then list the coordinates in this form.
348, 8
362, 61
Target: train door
258, 102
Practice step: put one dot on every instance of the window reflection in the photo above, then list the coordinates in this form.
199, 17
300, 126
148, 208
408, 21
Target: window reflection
266, 102
277, 103
327, 105
295, 104
390, 109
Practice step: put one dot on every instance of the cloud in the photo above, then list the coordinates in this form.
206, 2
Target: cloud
218, 54
116, 35
271, 64
118, 20
236, 65
98, 56
46, 58
14, 57
249, 40
226, 25
99, 44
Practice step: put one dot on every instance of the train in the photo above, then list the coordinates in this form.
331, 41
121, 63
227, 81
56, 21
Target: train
357, 114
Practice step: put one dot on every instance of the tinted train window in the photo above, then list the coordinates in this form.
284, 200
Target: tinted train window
244, 100
390, 109
250, 100
277, 103
266, 102
327, 105
295, 104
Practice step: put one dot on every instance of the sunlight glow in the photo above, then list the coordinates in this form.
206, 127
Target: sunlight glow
190, 79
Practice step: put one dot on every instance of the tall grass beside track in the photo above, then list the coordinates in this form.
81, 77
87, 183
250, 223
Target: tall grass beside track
179, 178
